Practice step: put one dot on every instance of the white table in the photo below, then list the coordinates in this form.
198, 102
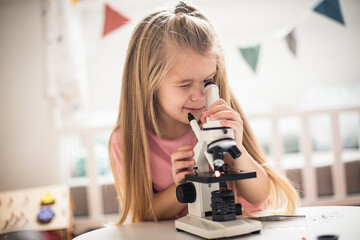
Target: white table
340, 220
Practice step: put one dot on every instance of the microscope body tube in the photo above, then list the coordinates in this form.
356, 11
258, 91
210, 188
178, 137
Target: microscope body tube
211, 92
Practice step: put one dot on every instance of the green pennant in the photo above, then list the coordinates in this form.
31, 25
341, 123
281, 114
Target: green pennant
331, 9
251, 55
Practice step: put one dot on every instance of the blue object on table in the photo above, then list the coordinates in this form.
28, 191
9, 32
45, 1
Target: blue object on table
45, 215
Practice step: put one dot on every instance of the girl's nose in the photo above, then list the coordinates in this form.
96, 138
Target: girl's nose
197, 94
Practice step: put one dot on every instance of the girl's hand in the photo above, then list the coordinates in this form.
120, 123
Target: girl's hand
181, 162
220, 110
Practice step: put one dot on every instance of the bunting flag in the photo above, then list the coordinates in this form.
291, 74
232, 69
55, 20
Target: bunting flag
251, 55
74, 1
328, 8
113, 20
291, 41
331, 9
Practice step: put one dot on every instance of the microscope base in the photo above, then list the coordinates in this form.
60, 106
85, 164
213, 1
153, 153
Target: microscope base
206, 228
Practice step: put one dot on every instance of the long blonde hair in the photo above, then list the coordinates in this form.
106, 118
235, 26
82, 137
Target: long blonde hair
148, 61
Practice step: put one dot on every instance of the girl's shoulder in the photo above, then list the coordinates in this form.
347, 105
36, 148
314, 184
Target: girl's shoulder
115, 138
154, 140
188, 136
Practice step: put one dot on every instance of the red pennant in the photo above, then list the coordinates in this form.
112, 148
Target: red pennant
113, 20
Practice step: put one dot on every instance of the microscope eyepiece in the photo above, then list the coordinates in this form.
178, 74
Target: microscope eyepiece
209, 82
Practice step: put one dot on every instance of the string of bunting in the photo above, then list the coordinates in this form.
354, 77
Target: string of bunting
328, 8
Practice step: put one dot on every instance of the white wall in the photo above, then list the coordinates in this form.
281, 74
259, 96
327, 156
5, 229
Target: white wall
27, 156
325, 72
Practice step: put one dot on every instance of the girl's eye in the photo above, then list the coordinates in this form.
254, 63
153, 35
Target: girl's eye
208, 80
185, 86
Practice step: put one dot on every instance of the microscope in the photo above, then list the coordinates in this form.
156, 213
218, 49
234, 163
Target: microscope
212, 211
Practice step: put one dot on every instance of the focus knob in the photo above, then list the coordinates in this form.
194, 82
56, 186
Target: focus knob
235, 152
186, 193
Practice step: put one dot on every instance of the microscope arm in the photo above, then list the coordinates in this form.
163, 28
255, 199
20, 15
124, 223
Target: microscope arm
201, 156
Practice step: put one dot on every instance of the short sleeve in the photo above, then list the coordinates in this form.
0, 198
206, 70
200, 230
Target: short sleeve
115, 152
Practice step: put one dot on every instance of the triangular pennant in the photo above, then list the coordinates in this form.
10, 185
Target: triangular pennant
251, 55
291, 42
74, 1
331, 9
113, 20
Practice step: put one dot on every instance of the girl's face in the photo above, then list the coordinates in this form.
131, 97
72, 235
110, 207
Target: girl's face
182, 90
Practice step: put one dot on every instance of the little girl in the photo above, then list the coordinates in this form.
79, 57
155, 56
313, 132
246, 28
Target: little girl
171, 54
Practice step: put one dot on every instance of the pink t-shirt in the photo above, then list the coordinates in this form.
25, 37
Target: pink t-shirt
160, 161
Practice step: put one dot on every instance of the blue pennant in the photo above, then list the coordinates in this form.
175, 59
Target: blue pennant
331, 9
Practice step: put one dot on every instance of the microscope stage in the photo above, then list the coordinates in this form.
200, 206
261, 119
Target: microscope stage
208, 177
206, 228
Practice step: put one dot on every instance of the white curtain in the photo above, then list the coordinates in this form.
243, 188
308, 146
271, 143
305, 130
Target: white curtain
66, 60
